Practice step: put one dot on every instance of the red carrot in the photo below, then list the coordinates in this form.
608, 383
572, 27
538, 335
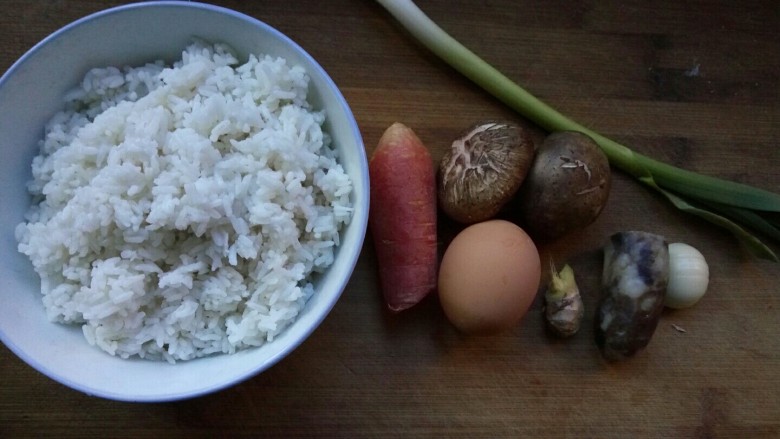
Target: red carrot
402, 217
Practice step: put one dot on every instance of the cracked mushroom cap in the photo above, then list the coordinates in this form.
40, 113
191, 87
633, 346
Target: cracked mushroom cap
567, 186
483, 170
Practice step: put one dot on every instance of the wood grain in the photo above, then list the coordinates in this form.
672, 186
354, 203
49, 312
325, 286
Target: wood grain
694, 83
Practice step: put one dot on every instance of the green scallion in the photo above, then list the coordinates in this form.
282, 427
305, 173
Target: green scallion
689, 191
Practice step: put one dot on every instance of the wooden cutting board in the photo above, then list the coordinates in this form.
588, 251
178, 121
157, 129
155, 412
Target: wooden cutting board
695, 84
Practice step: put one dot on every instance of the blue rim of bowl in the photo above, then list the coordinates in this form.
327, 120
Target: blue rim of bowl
361, 216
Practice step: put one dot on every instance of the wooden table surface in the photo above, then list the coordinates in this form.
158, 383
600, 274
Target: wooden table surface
693, 83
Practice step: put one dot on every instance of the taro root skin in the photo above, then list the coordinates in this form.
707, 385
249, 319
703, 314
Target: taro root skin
636, 273
483, 170
567, 186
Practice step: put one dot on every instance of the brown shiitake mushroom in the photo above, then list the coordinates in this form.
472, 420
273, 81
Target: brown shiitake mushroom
483, 170
567, 186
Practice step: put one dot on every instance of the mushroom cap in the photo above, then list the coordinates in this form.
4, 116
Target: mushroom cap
483, 170
567, 187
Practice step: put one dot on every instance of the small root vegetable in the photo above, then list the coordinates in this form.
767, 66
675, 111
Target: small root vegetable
689, 276
483, 170
635, 276
402, 217
563, 304
567, 186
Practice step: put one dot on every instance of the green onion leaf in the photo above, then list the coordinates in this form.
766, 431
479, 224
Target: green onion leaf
670, 180
750, 241
748, 218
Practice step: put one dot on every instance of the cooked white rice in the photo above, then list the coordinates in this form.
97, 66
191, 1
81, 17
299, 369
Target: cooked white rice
184, 211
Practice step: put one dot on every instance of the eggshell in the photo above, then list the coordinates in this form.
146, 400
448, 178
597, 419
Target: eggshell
489, 277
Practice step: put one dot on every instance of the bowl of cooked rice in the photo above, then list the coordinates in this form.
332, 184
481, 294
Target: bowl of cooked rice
185, 197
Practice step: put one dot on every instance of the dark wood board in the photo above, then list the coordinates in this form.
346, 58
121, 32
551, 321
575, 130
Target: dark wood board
696, 84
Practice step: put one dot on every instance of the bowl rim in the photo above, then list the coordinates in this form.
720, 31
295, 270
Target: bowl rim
360, 216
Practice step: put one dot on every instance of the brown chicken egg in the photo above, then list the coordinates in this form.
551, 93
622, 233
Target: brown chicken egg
488, 277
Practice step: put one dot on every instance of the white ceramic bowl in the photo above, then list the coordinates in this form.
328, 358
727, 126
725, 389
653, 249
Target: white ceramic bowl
31, 91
